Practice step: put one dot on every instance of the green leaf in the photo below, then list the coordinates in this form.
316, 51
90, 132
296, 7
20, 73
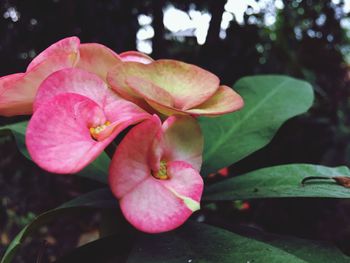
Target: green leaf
309, 250
18, 130
270, 100
101, 198
195, 242
97, 170
280, 181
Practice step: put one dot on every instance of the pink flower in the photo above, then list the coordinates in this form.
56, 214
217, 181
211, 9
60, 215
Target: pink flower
154, 173
17, 91
76, 116
173, 87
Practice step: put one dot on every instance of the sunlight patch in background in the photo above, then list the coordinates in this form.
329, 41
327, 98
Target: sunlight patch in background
180, 24
195, 23
144, 34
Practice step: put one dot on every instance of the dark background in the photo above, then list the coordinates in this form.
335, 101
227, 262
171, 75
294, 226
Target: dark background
308, 40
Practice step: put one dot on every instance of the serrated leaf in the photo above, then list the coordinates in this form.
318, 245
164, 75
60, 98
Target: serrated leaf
280, 182
270, 100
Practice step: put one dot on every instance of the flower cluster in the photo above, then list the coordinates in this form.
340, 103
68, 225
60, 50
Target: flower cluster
81, 96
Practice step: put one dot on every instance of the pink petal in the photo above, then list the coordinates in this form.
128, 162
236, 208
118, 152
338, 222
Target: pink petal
189, 85
122, 113
66, 46
97, 58
79, 81
19, 93
152, 208
135, 56
129, 165
153, 205
120, 109
179, 140
185, 182
58, 136
74, 80
225, 100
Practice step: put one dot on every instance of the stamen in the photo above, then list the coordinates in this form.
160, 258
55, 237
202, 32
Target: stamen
94, 131
162, 172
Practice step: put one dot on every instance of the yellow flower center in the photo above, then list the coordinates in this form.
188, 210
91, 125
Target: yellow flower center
94, 131
162, 172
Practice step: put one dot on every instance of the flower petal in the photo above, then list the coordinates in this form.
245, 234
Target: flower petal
163, 109
58, 136
185, 182
189, 85
122, 113
74, 80
135, 57
147, 90
179, 140
129, 165
152, 208
150, 204
225, 100
120, 109
79, 81
97, 58
19, 93
116, 78
67, 46
11, 102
